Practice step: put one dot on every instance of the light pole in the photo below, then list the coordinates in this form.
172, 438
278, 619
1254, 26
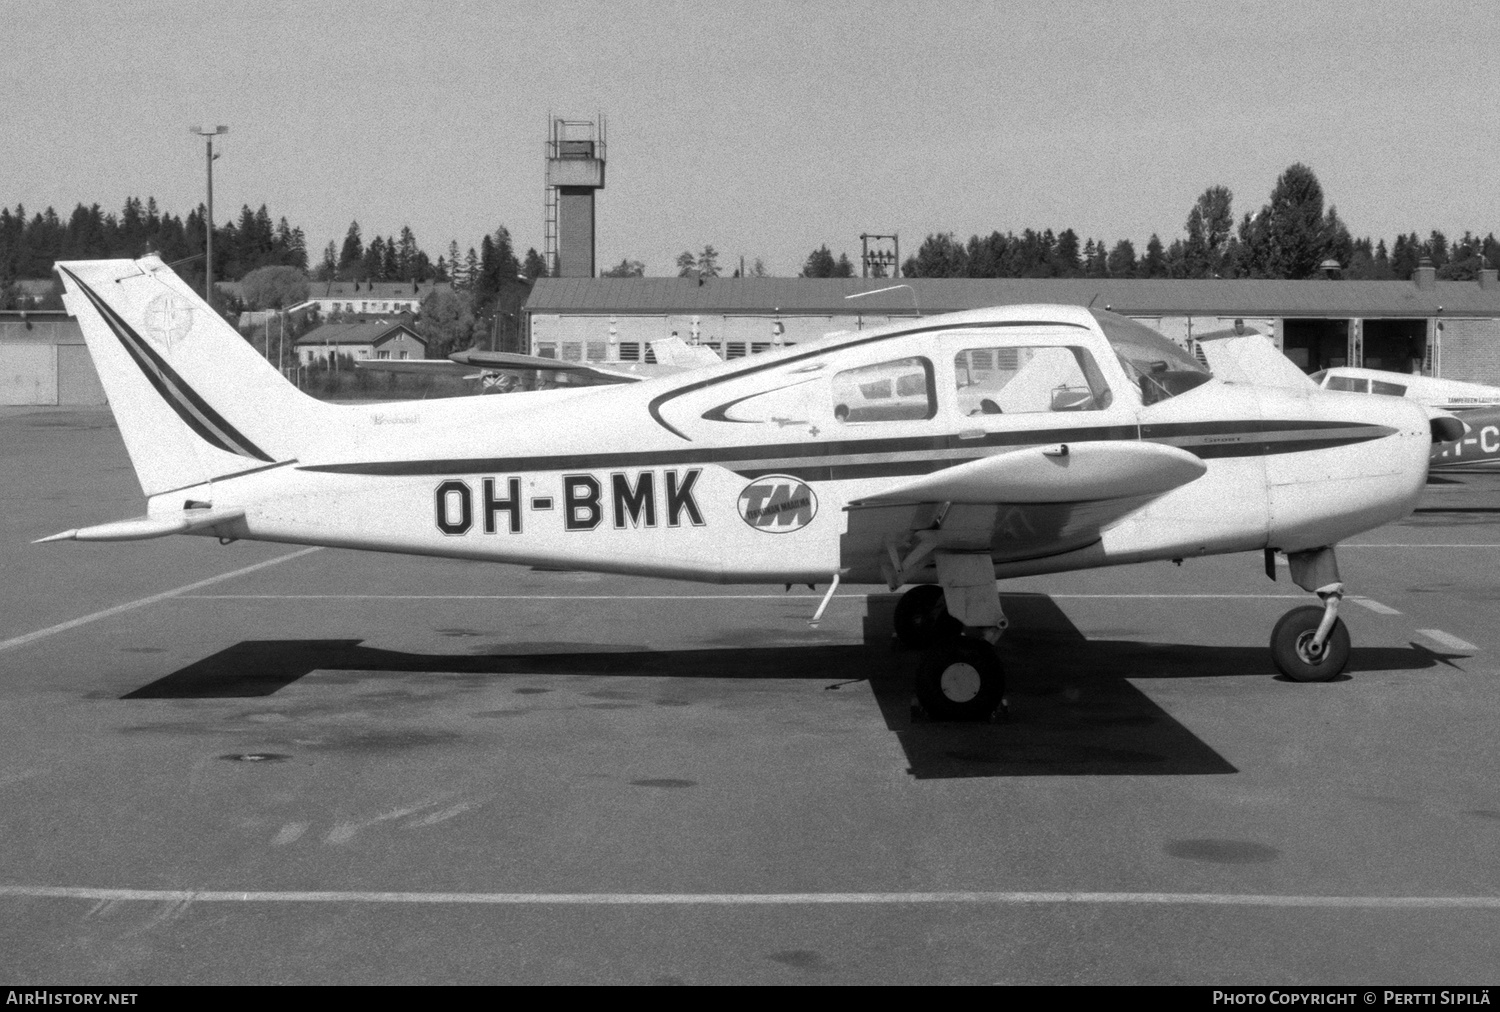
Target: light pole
208, 259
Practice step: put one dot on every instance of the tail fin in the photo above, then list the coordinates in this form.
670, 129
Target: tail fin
677, 352
194, 401
1251, 358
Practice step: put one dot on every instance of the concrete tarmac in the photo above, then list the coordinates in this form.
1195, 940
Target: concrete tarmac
346, 768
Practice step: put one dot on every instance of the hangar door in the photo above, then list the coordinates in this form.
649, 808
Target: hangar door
1395, 345
1315, 344
28, 374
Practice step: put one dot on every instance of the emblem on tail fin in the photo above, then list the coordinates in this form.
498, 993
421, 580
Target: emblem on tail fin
172, 315
168, 320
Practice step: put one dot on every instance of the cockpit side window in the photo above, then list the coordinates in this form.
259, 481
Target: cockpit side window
1350, 384
899, 390
1020, 379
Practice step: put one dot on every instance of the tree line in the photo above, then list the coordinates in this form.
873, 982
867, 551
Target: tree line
29, 244
1291, 236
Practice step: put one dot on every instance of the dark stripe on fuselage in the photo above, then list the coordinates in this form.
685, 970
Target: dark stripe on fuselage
195, 412
655, 406
846, 459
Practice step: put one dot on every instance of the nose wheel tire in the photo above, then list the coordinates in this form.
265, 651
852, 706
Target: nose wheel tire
922, 618
1292, 646
960, 679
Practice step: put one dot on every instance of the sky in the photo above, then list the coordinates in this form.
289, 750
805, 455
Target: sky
765, 129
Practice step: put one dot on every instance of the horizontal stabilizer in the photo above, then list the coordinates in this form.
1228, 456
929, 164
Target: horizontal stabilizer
1077, 472
143, 528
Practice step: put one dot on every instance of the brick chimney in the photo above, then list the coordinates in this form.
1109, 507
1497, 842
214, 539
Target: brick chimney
1425, 276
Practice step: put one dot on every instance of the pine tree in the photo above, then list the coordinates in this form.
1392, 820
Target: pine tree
819, 263
1154, 263
353, 252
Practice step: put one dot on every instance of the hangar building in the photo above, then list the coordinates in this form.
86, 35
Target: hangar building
1441, 328
43, 360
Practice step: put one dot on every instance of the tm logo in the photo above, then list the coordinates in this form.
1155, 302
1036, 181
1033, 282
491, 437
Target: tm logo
778, 504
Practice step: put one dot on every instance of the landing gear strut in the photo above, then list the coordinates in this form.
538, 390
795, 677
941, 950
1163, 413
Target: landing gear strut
1311, 644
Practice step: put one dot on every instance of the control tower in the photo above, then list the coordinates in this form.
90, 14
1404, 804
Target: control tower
575, 169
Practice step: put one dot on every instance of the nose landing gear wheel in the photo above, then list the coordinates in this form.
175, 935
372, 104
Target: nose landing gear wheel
960, 679
922, 618
1292, 646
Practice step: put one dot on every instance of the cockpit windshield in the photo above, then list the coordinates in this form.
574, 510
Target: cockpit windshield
1161, 368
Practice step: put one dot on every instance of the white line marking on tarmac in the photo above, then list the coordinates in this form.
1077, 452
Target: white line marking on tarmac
1448, 640
182, 896
1375, 606
688, 597
153, 599
1439, 545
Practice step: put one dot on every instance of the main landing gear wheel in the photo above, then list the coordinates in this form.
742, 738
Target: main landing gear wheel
922, 618
1293, 650
960, 679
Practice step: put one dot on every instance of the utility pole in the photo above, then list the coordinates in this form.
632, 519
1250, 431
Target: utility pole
208, 259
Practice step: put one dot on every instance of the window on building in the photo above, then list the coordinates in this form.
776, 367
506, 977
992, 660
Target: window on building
546, 349
630, 351
900, 390
598, 351
572, 351
404, 354
992, 381
382, 354
734, 349
757, 347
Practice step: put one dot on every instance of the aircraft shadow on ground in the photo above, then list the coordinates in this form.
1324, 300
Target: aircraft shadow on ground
1072, 708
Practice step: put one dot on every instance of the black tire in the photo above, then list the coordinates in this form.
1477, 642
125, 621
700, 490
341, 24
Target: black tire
960, 679
922, 619
1292, 637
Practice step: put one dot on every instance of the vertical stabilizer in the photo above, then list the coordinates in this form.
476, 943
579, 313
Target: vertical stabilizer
193, 400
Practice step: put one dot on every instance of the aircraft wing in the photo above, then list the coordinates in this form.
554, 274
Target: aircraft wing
508, 361
416, 366
1024, 504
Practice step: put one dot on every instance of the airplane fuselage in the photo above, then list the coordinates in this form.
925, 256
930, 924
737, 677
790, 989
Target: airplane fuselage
691, 478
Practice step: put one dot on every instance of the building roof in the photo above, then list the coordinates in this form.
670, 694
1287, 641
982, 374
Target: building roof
828, 296
351, 290
372, 333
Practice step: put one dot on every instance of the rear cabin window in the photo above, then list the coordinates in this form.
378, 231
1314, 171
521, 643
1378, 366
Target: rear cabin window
1393, 389
899, 390
1017, 380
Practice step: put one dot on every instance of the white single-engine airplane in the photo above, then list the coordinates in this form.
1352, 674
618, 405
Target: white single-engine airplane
944, 452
